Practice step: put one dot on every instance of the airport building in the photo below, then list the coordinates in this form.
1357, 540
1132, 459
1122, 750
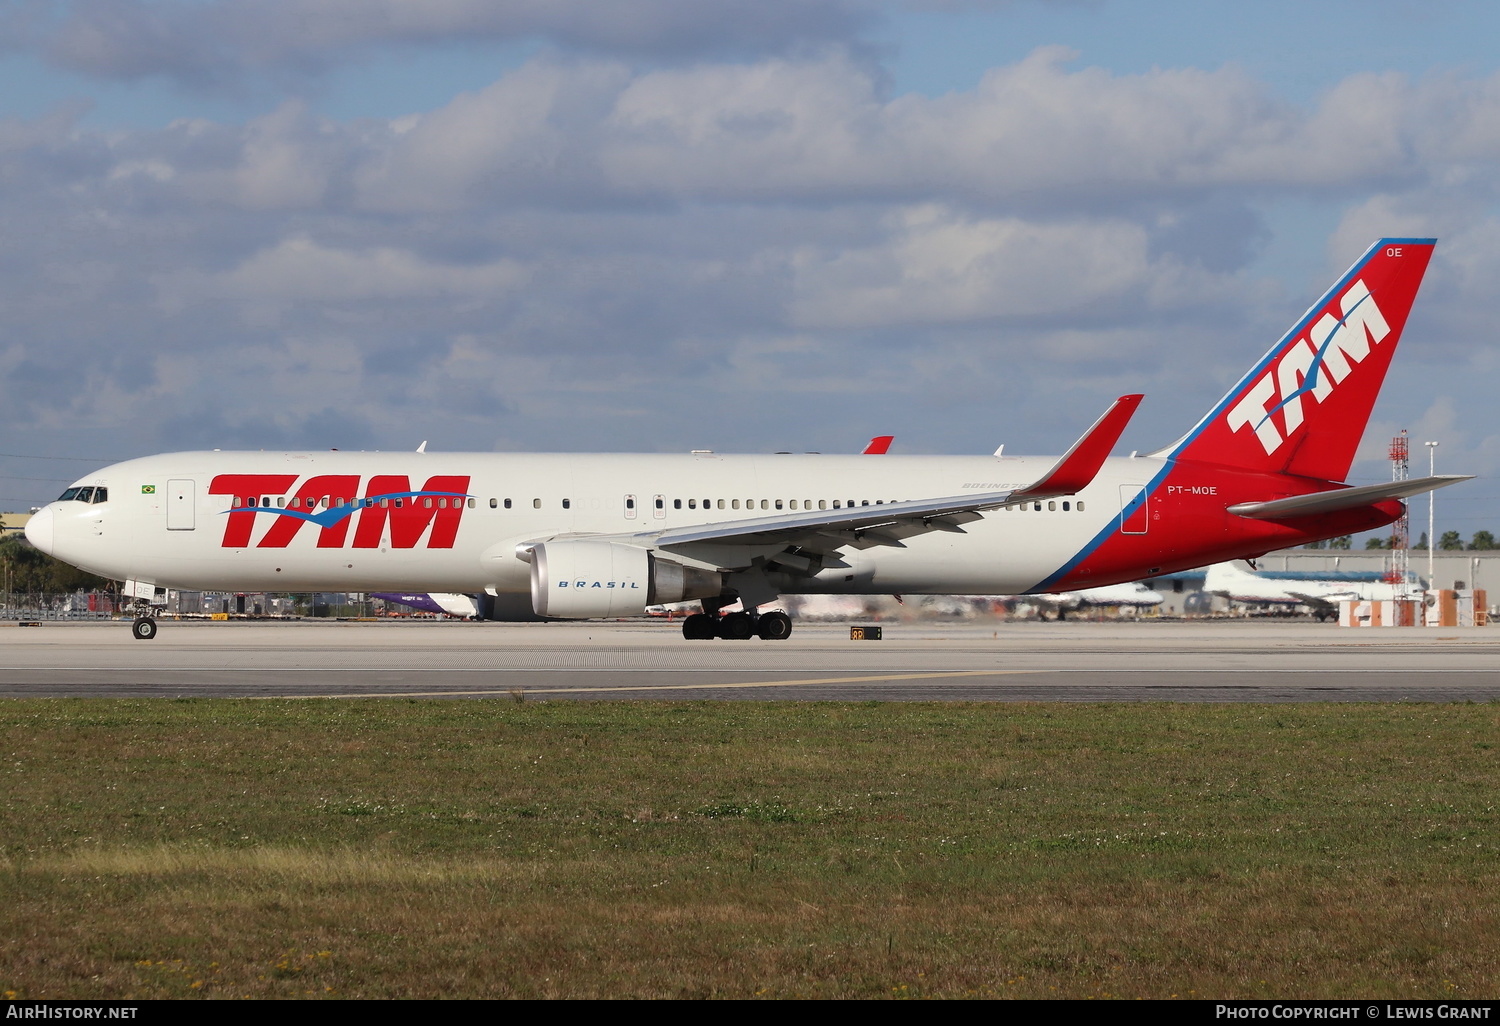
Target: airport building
13, 523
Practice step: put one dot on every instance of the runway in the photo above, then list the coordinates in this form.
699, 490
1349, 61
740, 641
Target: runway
1202, 661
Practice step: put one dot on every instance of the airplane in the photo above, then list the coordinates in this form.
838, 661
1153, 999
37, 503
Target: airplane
1134, 593
1320, 591
433, 602
579, 536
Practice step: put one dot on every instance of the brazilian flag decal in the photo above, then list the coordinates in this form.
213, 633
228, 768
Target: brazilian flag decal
148, 489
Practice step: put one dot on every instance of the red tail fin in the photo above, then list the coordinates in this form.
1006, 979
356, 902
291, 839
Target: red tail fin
1303, 408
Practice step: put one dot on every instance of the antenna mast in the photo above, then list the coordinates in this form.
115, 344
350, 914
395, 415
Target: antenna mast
1398, 555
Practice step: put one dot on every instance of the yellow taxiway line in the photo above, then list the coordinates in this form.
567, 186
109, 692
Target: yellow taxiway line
672, 687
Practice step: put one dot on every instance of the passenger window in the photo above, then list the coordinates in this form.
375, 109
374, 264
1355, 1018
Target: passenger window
386, 503
661, 503
692, 504
765, 504
1037, 506
1065, 507
794, 504
630, 502
471, 503
567, 504
536, 503
427, 502
736, 503
495, 503
1052, 507
1080, 505
822, 503
721, 503
864, 502
676, 503
507, 504
778, 504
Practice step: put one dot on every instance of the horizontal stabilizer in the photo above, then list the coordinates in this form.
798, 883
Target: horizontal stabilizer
1343, 498
1077, 468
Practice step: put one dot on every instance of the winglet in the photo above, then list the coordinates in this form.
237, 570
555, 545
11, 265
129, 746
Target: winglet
878, 445
1079, 464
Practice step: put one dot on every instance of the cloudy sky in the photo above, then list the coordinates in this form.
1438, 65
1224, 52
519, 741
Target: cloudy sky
747, 225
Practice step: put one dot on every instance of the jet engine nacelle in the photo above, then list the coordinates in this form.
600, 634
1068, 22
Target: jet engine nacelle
580, 578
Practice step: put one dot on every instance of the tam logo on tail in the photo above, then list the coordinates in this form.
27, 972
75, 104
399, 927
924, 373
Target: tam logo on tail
1303, 408
1304, 370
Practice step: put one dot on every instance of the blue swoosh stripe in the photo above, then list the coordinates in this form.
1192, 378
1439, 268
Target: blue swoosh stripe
1310, 380
334, 514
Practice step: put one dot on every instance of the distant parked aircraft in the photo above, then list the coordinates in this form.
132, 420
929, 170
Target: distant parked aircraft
433, 602
1319, 590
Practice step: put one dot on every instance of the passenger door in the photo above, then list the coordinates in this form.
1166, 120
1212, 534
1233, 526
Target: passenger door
180, 504
1134, 515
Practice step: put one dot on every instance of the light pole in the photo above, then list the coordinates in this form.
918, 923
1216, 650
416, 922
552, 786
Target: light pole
1431, 509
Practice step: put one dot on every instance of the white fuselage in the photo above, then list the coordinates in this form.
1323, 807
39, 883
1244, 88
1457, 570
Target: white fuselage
1238, 585
167, 519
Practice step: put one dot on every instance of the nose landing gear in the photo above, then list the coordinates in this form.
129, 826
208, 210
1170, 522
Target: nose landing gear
144, 628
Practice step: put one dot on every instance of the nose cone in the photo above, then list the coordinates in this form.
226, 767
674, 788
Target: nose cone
39, 528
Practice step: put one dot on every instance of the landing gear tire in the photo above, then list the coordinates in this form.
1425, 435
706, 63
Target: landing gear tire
774, 626
736, 627
700, 627
144, 629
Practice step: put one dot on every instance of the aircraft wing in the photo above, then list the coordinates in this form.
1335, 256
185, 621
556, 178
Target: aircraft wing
1324, 603
867, 526
1343, 498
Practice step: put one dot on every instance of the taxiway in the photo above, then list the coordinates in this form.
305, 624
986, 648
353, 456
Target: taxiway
1205, 661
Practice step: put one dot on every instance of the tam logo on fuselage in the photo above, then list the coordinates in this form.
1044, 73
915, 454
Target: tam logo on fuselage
1311, 366
332, 502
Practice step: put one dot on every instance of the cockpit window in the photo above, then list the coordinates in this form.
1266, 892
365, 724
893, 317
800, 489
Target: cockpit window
101, 495
69, 495
85, 495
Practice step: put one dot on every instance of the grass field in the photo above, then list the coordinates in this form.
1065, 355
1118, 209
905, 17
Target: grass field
475, 849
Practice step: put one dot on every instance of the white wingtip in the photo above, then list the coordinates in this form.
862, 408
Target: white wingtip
423, 446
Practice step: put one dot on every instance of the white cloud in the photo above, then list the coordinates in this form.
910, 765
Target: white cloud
299, 269
219, 42
586, 253
940, 267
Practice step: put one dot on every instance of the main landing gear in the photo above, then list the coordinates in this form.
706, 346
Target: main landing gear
775, 626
